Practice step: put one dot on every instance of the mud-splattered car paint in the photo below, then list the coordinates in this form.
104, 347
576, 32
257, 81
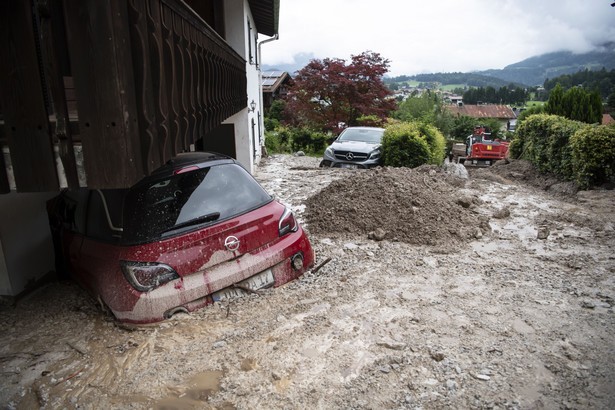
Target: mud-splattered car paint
179, 238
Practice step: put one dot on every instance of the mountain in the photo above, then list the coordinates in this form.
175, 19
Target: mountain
469, 79
301, 60
535, 70
529, 72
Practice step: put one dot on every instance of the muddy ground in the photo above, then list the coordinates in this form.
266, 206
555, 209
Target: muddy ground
494, 291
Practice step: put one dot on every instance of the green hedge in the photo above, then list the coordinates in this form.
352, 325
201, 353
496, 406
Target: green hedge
288, 139
593, 155
567, 148
410, 144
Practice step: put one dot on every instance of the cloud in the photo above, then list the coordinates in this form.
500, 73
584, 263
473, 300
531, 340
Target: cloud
443, 36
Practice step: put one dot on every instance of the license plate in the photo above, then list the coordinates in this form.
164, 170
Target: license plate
348, 166
259, 281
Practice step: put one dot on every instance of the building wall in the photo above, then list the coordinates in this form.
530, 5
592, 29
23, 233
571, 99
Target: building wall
243, 39
25, 241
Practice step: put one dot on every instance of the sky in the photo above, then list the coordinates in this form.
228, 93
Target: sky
431, 36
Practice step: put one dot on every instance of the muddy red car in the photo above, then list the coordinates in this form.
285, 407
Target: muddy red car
197, 230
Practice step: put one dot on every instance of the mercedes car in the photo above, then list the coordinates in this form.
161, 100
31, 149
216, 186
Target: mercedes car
355, 147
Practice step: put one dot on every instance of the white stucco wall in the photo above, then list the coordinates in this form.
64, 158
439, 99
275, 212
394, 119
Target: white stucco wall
238, 21
25, 240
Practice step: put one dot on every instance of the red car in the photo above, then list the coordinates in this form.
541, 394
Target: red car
179, 239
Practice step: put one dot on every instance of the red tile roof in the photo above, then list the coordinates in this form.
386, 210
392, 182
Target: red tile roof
483, 111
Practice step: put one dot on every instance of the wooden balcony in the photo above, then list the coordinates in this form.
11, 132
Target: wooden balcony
131, 83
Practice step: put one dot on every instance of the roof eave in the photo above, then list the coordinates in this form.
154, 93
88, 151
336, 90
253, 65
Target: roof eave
266, 14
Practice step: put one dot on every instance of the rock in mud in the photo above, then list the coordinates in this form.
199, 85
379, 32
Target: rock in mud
377, 235
543, 232
501, 213
465, 201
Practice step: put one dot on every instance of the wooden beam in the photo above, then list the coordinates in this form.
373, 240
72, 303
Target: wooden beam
55, 78
101, 63
26, 121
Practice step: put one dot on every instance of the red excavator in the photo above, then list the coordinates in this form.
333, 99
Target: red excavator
481, 150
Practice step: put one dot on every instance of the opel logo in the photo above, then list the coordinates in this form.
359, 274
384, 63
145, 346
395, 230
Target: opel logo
350, 156
231, 243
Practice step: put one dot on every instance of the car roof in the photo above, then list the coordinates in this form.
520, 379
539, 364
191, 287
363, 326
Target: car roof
188, 159
363, 128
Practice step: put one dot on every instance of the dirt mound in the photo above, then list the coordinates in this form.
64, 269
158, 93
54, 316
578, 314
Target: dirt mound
521, 171
419, 206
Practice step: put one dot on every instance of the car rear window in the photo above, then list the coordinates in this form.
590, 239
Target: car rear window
188, 201
362, 134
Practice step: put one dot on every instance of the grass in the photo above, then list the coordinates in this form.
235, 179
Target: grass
530, 104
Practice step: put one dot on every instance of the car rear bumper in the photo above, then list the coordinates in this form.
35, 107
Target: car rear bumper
195, 290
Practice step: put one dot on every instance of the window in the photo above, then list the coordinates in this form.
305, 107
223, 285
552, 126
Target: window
104, 214
189, 201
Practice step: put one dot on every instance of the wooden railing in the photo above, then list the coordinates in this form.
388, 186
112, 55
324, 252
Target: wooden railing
150, 78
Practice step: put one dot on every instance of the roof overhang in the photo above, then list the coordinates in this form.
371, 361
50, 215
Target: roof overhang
266, 14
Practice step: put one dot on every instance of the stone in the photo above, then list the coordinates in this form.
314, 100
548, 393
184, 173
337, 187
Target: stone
451, 385
465, 201
392, 345
377, 235
501, 213
437, 356
543, 232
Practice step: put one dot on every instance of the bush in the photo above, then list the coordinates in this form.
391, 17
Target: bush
286, 140
307, 140
435, 140
593, 155
404, 146
278, 141
544, 139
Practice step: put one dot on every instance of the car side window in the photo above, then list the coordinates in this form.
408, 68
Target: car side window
104, 215
72, 209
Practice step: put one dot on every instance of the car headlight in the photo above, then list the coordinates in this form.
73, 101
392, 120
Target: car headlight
329, 152
375, 154
146, 276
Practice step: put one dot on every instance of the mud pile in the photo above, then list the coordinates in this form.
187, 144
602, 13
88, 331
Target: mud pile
420, 206
521, 171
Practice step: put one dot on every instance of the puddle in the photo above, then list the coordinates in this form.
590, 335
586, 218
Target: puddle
193, 394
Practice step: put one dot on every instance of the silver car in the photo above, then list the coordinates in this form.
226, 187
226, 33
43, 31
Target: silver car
355, 147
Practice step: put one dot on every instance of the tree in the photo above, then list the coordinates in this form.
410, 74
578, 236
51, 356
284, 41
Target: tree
611, 100
463, 126
576, 104
428, 108
329, 95
555, 103
273, 115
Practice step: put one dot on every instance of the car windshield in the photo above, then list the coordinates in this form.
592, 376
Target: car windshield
362, 134
189, 201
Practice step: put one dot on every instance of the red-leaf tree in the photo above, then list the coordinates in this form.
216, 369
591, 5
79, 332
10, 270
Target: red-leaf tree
329, 95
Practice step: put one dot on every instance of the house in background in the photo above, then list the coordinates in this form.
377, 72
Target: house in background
503, 113
275, 86
100, 94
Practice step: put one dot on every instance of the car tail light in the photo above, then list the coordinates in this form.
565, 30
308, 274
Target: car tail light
288, 223
146, 276
187, 169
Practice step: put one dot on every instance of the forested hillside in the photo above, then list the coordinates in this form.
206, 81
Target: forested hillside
533, 71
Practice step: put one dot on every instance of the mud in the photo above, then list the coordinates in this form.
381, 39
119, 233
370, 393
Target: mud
460, 305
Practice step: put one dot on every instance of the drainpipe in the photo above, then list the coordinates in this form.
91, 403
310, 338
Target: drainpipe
261, 126
276, 37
